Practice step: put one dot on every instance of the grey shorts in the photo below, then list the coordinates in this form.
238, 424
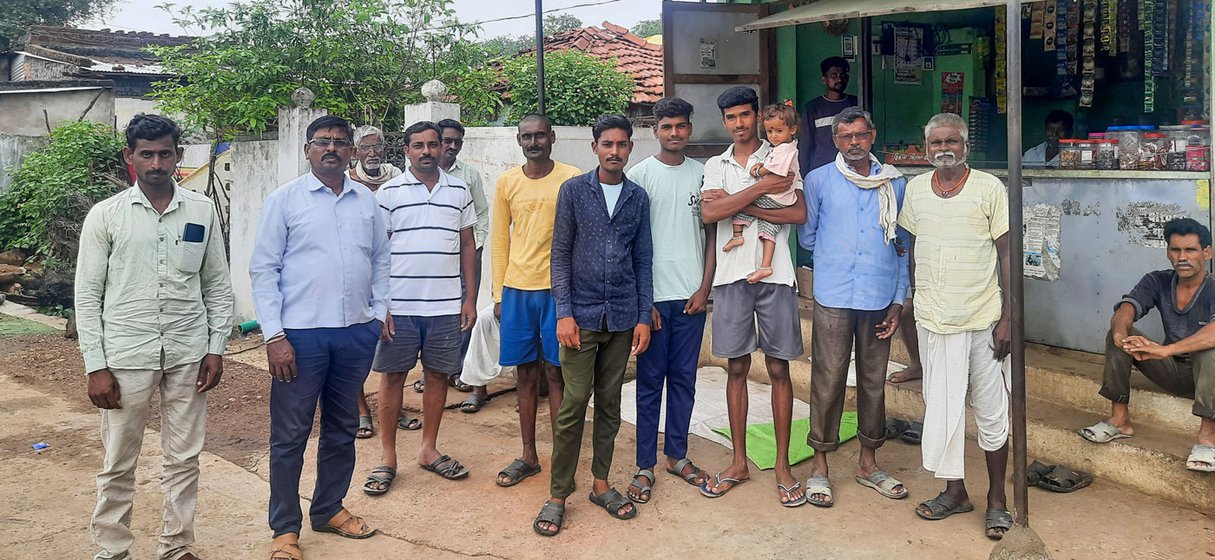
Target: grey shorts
739, 307
436, 339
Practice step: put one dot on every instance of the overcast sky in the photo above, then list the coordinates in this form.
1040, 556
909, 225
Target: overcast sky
142, 15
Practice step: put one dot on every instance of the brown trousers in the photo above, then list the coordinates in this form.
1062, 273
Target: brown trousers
1190, 377
832, 340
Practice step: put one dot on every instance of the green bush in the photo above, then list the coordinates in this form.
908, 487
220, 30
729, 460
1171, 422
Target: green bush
577, 87
55, 186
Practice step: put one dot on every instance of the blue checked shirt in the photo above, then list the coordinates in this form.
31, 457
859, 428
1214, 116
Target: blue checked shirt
602, 266
854, 267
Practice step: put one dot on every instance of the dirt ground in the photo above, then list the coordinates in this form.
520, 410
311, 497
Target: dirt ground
49, 496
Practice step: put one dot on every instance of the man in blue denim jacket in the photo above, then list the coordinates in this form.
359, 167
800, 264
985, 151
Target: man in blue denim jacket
603, 284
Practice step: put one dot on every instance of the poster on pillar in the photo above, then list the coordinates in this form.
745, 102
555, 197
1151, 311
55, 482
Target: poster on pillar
1041, 235
951, 92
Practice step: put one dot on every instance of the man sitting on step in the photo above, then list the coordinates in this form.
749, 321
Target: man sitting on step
1184, 364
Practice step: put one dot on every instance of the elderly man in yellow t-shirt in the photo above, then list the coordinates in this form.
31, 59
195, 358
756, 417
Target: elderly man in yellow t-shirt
958, 219
521, 240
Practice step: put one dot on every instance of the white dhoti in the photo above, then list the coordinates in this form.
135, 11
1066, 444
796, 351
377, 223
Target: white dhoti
481, 361
954, 365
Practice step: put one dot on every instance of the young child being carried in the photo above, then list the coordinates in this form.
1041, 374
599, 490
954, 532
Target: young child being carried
780, 124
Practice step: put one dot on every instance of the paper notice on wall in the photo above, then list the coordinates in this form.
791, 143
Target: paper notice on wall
1041, 259
708, 54
1143, 222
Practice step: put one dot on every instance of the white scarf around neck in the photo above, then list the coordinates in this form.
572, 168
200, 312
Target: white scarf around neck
888, 207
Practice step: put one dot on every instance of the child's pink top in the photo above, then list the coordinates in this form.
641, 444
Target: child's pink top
782, 160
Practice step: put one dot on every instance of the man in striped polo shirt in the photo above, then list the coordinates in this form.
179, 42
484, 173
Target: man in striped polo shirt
431, 217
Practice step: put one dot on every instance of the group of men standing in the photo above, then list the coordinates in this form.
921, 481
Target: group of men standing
376, 268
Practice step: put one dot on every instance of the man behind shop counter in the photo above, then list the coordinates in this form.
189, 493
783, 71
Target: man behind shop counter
816, 146
1059, 124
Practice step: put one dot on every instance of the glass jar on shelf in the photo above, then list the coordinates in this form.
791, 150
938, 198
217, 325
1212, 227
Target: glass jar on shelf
1153, 150
1107, 154
1198, 148
1087, 153
1177, 137
1128, 145
1069, 154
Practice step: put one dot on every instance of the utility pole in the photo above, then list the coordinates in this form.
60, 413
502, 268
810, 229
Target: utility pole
540, 56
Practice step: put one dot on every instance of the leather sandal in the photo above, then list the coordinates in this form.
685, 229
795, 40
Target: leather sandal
347, 525
286, 547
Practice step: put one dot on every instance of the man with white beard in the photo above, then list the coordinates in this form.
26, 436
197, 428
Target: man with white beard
958, 221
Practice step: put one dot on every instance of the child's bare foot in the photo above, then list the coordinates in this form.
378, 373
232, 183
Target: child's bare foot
736, 241
759, 274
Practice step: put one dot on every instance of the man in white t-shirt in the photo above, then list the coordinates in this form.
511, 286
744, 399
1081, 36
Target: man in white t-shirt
685, 256
738, 305
431, 218
958, 221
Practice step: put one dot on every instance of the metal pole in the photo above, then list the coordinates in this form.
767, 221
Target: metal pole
1017, 255
540, 56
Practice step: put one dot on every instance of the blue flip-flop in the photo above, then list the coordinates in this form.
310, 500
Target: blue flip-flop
793, 502
733, 482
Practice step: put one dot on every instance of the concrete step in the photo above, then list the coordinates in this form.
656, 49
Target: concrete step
1062, 387
1071, 378
1153, 461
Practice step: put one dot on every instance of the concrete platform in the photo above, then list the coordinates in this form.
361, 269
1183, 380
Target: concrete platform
1062, 386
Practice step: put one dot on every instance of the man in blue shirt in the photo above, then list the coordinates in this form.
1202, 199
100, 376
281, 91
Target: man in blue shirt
860, 282
603, 285
320, 271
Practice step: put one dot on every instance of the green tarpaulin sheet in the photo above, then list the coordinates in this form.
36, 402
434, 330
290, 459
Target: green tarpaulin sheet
761, 440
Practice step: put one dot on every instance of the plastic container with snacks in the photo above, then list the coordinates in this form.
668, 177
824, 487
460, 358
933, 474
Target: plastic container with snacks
1088, 154
1177, 137
1069, 154
1153, 151
1198, 148
1128, 145
1107, 154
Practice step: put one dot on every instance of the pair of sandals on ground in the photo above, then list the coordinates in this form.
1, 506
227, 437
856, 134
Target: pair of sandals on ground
381, 478
471, 405
344, 524
1201, 459
548, 523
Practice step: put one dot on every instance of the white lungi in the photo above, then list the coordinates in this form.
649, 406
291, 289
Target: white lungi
955, 364
481, 361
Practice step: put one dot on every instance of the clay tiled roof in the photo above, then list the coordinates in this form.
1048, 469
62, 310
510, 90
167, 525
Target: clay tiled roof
633, 55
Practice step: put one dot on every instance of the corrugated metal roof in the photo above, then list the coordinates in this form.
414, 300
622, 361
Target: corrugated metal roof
824, 10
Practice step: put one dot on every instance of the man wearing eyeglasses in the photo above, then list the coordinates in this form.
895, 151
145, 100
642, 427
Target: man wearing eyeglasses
370, 168
860, 283
320, 271
816, 148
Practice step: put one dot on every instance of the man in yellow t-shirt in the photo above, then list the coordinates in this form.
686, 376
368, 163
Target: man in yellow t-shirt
524, 208
958, 219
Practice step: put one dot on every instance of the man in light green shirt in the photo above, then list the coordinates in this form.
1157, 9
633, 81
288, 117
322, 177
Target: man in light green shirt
153, 310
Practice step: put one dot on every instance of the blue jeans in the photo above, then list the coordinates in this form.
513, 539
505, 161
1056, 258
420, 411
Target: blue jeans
332, 364
672, 358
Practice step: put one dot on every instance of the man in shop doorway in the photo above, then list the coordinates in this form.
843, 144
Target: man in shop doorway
816, 147
1059, 124
1184, 364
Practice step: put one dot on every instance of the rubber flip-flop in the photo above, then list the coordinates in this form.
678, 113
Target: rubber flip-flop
788, 491
733, 483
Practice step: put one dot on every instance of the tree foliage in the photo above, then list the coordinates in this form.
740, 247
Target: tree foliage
647, 27
577, 87
559, 23
363, 59
55, 186
506, 46
19, 15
